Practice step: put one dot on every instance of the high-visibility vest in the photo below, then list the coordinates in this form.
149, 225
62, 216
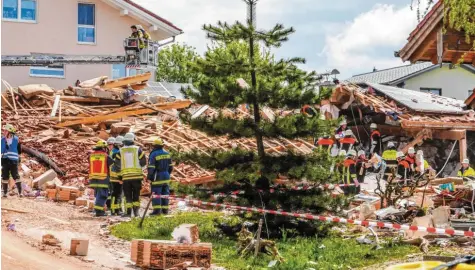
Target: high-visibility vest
347, 175
130, 168
114, 170
410, 160
10, 151
325, 142
375, 133
98, 170
349, 140
469, 172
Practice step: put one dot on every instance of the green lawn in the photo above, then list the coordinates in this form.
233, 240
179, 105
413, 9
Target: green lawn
299, 253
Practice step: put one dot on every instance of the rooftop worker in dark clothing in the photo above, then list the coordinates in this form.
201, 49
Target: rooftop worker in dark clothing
11, 151
376, 141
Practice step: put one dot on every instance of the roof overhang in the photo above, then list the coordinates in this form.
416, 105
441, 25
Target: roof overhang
154, 22
430, 42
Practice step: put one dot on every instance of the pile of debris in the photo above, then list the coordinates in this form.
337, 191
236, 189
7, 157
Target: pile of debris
63, 130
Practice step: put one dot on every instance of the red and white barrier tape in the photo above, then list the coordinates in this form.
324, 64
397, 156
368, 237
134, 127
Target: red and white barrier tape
365, 223
234, 194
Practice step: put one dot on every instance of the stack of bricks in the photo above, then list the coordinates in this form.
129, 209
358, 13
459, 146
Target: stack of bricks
65, 193
162, 254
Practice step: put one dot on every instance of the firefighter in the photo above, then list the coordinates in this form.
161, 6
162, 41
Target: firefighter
110, 147
99, 165
376, 141
421, 166
340, 132
116, 183
325, 142
390, 157
411, 157
136, 33
11, 151
145, 34
110, 144
361, 166
349, 174
466, 171
348, 142
403, 168
159, 169
131, 159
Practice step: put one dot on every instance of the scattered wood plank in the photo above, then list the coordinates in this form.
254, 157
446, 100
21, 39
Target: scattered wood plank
81, 99
96, 119
123, 82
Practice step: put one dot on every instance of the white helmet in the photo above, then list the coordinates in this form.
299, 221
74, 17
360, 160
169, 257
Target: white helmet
342, 153
466, 161
411, 150
111, 140
373, 126
419, 152
351, 153
399, 154
361, 152
348, 132
391, 144
119, 139
130, 137
343, 122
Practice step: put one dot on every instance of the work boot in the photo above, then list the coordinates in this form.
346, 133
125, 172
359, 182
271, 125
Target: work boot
165, 211
100, 214
136, 211
128, 213
4, 195
155, 212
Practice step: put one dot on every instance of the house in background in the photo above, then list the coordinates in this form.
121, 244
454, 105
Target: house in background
70, 27
446, 80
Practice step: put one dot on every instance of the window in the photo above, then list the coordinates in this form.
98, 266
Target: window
19, 10
86, 23
47, 72
435, 91
118, 71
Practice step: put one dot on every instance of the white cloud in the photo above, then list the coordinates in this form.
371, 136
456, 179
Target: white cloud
354, 47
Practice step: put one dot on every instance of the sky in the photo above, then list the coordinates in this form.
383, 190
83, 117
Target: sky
353, 36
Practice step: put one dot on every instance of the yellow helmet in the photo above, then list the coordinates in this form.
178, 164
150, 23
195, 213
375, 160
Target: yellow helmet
10, 128
101, 144
158, 142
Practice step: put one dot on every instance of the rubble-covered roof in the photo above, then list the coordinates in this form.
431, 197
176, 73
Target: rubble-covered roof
398, 111
420, 101
389, 75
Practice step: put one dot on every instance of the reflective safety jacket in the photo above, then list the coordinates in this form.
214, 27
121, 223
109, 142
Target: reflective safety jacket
159, 167
12, 151
347, 143
325, 143
403, 169
390, 157
131, 160
469, 172
349, 171
99, 163
114, 169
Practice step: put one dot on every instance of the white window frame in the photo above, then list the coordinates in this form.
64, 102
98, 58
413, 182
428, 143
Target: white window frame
86, 26
48, 76
18, 19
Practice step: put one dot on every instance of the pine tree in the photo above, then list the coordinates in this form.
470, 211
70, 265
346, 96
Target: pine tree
242, 52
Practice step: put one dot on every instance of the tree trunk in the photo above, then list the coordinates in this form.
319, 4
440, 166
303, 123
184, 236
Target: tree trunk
257, 112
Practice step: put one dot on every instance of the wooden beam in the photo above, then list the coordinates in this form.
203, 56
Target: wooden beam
97, 119
421, 50
421, 136
463, 148
81, 99
437, 125
440, 181
123, 82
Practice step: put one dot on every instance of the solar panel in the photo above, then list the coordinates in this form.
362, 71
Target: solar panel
164, 89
